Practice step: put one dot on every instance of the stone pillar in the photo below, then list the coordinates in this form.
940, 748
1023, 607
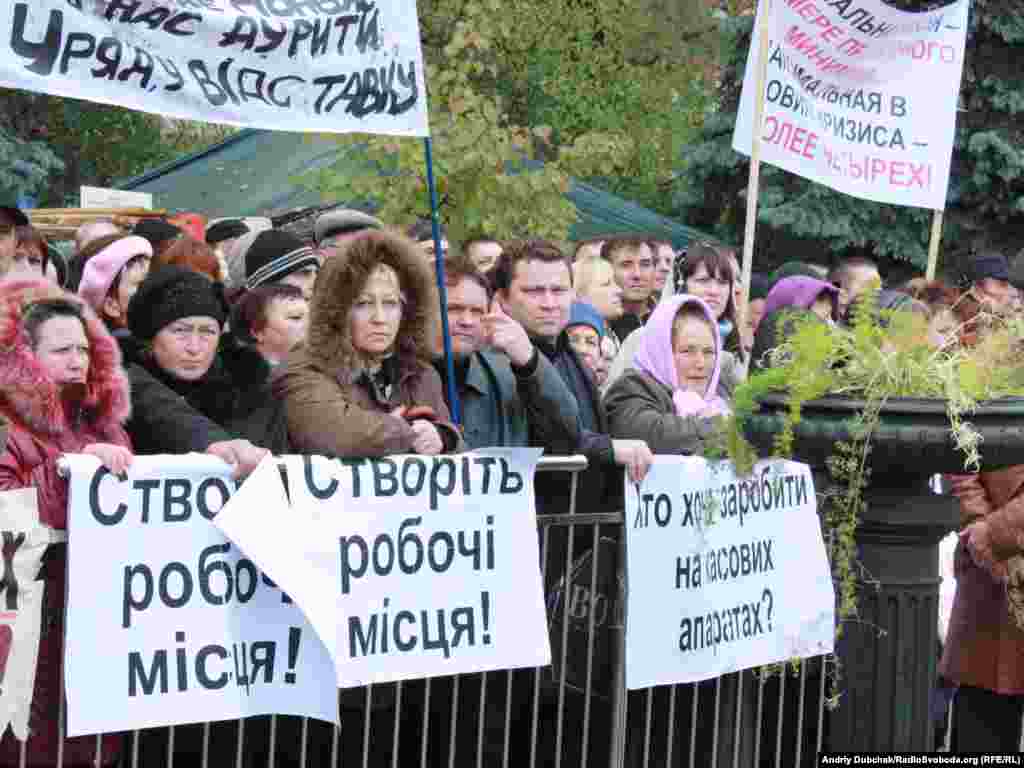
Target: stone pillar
889, 656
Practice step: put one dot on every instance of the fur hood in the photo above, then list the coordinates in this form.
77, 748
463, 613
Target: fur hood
28, 394
343, 276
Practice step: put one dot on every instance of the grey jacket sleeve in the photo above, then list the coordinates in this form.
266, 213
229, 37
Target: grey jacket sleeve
637, 411
550, 408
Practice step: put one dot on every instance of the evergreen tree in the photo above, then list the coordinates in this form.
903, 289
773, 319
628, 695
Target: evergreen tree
800, 219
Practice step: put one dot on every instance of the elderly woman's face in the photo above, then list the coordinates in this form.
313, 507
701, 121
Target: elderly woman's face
186, 347
376, 314
693, 350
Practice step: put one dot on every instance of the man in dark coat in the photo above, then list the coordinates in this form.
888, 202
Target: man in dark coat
507, 392
533, 282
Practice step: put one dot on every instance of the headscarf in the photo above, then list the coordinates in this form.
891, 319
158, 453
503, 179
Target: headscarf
800, 292
655, 358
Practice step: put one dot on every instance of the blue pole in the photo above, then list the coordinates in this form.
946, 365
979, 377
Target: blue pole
442, 290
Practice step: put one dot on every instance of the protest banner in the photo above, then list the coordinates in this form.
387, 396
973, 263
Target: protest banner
408, 566
724, 572
25, 540
859, 96
186, 630
293, 65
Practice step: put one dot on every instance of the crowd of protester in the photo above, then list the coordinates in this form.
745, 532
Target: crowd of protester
251, 341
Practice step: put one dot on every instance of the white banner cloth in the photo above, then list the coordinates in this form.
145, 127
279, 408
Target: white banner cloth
408, 566
292, 65
724, 573
166, 622
860, 97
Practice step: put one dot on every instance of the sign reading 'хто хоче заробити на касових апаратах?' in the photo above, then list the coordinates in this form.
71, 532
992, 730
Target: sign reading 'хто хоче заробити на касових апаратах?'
296, 65
725, 572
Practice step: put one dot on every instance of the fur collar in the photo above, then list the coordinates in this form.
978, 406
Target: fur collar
28, 394
342, 277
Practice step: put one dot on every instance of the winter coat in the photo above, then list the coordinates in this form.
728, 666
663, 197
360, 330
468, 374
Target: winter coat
503, 404
600, 484
640, 408
984, 646
232, 401
647, 404
332, 408
42, 426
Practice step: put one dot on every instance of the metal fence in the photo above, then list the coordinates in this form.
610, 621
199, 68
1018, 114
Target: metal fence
574, 713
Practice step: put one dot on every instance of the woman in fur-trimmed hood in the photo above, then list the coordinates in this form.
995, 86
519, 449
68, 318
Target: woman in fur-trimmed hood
363, 384
62, 390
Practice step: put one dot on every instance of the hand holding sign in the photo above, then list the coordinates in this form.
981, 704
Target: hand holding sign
116, 458
635, 456
506, 335
242, 455
427, 440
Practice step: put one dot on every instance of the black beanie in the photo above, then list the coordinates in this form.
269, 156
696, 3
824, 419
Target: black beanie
156, 231
275, 254
170, 293
228, 229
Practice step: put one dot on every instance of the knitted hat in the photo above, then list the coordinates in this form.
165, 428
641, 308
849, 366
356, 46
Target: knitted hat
343, 221
171, 293
156, 231
582, 313
101, 270
15, 214
275, 254
225, 229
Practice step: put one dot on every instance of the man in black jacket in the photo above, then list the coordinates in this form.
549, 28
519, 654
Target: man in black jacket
533, 283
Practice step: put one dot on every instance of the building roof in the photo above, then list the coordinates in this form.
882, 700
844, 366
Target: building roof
255, 173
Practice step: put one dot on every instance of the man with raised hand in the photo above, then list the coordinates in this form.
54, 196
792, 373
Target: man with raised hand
533, 282
509, 393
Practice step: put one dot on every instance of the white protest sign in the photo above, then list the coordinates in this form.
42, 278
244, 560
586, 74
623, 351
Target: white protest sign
25, 541
724, 573
860, 97
187, 630
103, 197
408, 566
292, 65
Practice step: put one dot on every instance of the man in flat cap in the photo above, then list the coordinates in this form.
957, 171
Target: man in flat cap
989, 278
220, 235
332, 228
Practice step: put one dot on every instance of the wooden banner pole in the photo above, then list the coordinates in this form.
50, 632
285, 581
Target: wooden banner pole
755, 157
933, 245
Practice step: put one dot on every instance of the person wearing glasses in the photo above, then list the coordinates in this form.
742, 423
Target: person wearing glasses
674, 397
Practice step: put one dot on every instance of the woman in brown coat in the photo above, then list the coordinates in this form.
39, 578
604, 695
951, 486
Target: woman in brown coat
984, 649
363, 384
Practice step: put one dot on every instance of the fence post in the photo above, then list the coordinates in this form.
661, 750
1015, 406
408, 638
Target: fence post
617, 758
